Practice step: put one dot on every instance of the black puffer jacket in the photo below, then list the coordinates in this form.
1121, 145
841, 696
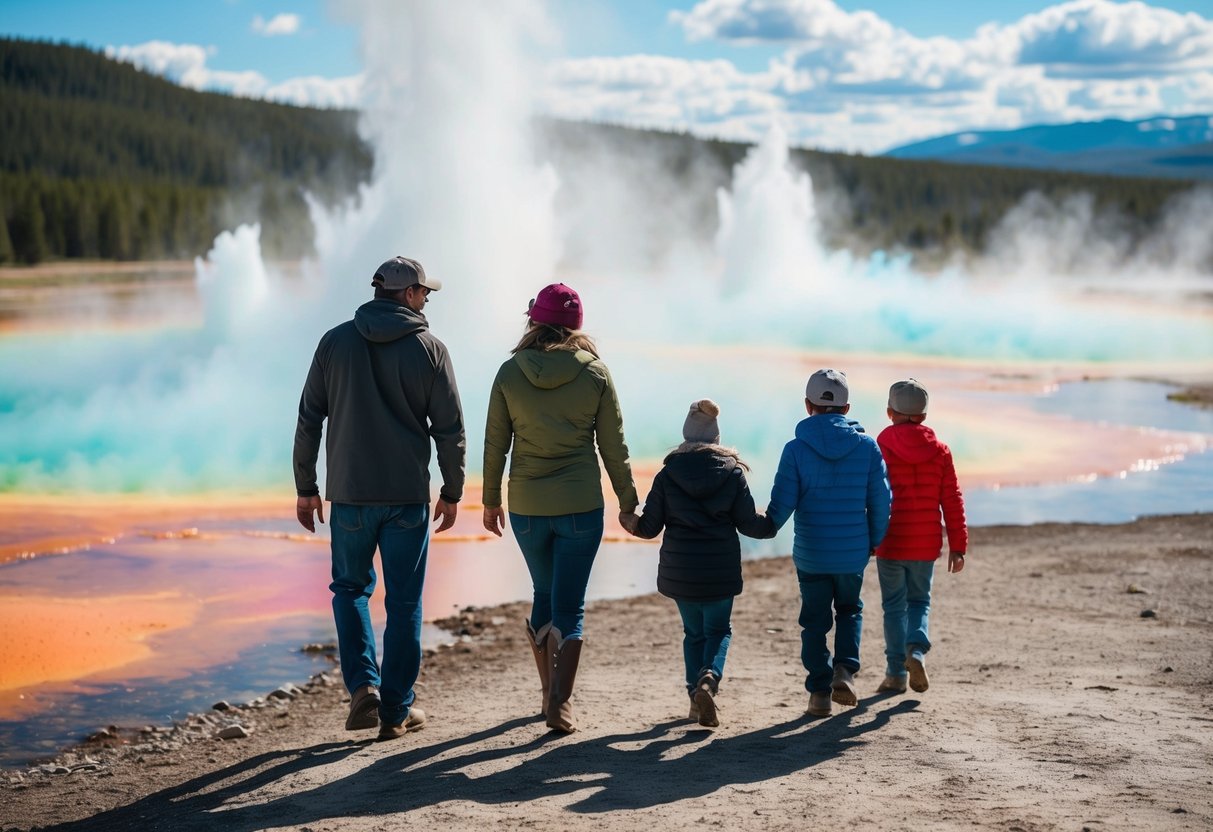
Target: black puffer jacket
702, 499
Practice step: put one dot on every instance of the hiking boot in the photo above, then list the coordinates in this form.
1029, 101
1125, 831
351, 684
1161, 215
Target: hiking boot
844, 687
892, 684
364, 709
819, 703
917, 665
413, 722
705, 699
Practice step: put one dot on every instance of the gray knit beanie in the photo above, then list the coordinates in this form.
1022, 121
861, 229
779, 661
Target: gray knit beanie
701, 425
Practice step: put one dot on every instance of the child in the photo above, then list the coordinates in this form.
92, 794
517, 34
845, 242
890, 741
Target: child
924, 481
702, 500
832, 477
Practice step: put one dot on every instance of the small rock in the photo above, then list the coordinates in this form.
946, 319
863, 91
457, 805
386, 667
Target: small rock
1134, 589
284, 692
1179, 810
1149, 614
319, 647
221, 705
233, 732
1036, 574
61, 770
1168, 669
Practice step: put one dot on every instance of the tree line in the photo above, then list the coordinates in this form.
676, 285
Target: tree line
101, 160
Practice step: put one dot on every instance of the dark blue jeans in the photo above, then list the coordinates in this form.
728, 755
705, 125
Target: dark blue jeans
402, 535
559, 553
706, 636
827, 600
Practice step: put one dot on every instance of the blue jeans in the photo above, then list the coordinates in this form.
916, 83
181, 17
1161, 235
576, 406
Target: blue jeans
559, 552
905, 592
706, 637
402, 535
827, 599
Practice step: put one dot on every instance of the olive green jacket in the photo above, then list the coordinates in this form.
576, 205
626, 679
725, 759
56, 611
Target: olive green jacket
552, 406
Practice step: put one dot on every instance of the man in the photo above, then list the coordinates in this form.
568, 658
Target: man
386, 386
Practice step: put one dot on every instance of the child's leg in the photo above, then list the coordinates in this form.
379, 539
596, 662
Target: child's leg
717, 633
816, 597
692, 640
848, 614
919, 575
892, 575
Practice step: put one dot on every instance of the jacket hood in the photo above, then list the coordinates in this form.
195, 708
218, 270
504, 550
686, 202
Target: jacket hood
910, 442
549, 369
383, 320
701, 471
830, 435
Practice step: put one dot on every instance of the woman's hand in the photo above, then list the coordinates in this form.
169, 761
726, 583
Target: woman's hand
629, 521
494, 520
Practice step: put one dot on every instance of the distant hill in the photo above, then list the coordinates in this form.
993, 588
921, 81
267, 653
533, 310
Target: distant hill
101, 160
1167, 147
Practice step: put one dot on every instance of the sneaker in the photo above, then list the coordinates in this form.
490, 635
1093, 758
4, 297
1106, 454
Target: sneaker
819, 703
892, 684
844, 687
414, 722
364, 709
917, 666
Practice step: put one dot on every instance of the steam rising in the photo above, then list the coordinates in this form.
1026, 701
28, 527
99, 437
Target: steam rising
458, 186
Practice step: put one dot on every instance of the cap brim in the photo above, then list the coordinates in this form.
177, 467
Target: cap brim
431, 283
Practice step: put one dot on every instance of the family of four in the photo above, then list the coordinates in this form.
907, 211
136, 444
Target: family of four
386, 387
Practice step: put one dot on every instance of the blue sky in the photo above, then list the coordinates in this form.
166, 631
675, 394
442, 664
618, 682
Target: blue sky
838, 73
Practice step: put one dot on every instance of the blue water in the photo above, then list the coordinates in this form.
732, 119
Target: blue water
493, 573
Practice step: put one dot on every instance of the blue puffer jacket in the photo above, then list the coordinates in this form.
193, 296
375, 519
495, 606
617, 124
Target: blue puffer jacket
833, 477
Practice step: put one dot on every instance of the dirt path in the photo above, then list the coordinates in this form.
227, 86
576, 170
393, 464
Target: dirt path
1054, 705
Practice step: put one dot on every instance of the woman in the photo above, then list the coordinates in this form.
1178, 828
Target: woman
552, 400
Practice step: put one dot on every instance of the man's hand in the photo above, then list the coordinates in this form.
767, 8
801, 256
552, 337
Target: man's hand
494, 520
629, 521
446, 512
956, 561
304, 507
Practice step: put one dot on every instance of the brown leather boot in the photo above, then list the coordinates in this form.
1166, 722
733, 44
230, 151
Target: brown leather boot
542, 664
564, 655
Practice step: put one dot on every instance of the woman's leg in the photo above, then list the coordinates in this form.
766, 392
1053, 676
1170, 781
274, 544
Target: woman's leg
535, 538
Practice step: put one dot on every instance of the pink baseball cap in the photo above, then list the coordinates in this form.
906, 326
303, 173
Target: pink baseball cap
557, 305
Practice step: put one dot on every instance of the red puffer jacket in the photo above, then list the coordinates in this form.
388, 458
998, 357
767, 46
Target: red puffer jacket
924, 481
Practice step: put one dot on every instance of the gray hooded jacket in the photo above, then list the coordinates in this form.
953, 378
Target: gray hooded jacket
386, 386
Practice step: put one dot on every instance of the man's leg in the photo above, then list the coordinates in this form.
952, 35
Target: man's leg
404, 537
353, 548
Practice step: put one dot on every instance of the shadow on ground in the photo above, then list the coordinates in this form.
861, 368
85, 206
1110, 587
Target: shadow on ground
662, 764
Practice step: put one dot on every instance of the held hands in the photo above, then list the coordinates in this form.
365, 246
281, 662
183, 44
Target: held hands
304, 507
629, 521
494, 520
956, 561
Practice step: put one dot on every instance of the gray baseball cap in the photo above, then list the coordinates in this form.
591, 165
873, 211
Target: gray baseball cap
401, 273
828, 388
908, 398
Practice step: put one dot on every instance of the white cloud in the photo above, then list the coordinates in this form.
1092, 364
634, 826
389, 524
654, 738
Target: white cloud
279, 24
186, 64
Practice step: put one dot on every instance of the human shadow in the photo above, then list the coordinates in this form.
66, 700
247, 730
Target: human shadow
664, 763
200, 803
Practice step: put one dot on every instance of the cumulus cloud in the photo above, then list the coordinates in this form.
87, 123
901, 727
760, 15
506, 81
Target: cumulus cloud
853, 81
186, 64
279, 24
